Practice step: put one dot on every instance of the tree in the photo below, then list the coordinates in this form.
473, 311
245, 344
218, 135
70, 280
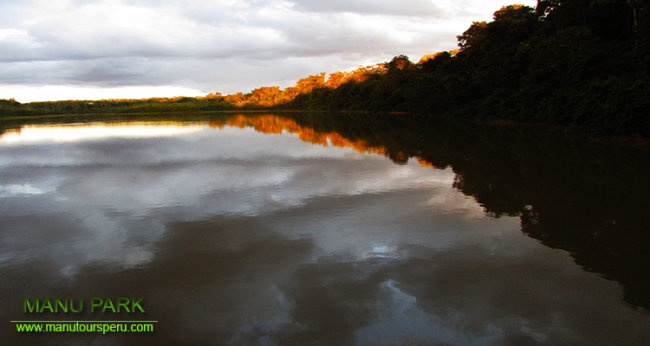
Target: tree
310, 83
473, 36
399, 62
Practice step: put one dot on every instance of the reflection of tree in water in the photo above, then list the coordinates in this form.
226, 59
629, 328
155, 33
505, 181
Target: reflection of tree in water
588, 201
584, 197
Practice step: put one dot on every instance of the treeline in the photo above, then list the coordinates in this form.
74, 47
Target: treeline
260, 98
212, 102
580, 64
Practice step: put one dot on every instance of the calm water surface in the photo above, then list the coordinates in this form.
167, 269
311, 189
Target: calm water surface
312, 230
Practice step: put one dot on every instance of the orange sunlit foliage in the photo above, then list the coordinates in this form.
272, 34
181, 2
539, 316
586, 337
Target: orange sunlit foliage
267, 123
212, 97
364, 72
428, 57
425, 163
336, 79
276, 125
270, 96
508, 11
308, 84
272, 124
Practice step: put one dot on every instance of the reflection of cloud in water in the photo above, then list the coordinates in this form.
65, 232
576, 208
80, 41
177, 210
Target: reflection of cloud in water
235, 237
400, 321
382, 252
457, 203
117, 195
66, 133
22, 189
233, 280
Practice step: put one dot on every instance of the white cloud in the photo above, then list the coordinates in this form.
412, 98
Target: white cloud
28, 93
225, 46
413, 8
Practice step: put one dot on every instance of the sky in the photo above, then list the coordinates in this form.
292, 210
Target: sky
98, 49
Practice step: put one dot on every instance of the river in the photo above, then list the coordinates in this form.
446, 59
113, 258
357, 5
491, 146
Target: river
316, 229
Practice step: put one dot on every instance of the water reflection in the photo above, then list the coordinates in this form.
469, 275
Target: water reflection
76, 132
235, 237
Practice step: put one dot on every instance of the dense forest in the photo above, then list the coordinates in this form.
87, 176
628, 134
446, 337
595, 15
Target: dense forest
580, 64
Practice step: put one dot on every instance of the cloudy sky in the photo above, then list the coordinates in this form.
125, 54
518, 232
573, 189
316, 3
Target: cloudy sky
92, 49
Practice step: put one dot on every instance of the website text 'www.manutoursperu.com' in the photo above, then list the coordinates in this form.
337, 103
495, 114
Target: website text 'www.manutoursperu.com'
84, 326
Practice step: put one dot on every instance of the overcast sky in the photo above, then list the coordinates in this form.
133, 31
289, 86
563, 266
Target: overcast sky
92, 49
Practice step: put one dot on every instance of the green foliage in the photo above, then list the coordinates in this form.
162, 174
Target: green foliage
9, 108
179, 104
